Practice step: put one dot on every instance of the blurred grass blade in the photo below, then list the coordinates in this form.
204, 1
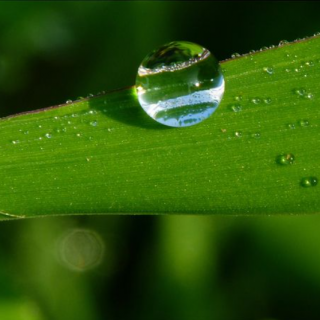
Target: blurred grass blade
104, 155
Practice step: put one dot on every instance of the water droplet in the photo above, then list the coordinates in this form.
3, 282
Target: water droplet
267, 100
15, 141
48, 135
309, 96
291, 126
90, 95
256, 135
238, 98
94, 123
26, 132
301, 92
309, 63
235, 55
283, 42
256, 100
168, 90
303, 123
236, 107
309, 182
79, 135
285, 159
268, 70
68, 101
39, 126
238, 134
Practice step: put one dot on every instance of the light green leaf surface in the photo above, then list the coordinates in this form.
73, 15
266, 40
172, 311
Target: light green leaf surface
103, 155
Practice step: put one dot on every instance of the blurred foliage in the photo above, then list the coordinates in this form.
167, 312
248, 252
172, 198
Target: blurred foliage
181, 267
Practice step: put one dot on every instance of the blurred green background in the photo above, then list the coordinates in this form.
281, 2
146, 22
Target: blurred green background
168, 267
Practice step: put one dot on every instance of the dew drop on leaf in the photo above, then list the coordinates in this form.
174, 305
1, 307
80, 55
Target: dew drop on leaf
180, 84
309, 182
285, 159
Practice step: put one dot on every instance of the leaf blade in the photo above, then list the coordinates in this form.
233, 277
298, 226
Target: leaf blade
103, 155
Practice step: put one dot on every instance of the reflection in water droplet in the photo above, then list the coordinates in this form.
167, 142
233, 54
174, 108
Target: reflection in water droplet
180, 84
48, 135
238, 134
285, 159
309, 182
81, 249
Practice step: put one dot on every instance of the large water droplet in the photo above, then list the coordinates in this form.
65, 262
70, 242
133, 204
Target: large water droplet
309, 182
180, 84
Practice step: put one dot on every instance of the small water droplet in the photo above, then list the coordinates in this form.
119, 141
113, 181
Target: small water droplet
268, 70
68, 101
256, 100
285, 159
291, 126
238, 134
26, 132
256, 135
94, 123
309, 182
303, 123
238, 98
267, 100
235, 55
48, 135
309, 96
283, 42
309, 63
236, 107
39, 126
15, 141
90, 95
79, 135
168, 90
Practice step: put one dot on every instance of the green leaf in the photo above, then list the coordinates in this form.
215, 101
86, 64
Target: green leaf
104, 155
